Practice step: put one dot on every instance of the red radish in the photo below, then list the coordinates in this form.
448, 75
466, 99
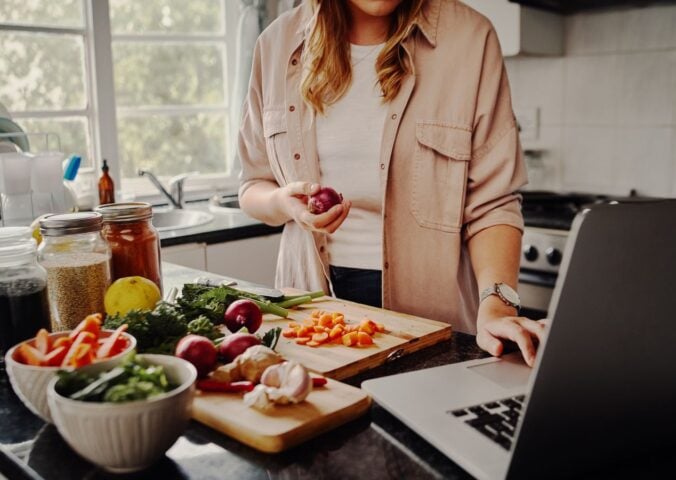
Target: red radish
234, 345
198, 350
323, 200
243, 313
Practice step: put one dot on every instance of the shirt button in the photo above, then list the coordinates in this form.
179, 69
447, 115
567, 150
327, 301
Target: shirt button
382, 166
394, 116
296, 156
294, 62
292, 108
321, 249
387, 265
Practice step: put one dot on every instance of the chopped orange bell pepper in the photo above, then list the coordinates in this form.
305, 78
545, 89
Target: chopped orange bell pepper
62, 342
84, 355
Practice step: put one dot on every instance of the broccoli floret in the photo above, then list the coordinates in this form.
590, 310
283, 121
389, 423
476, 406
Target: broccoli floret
203, 326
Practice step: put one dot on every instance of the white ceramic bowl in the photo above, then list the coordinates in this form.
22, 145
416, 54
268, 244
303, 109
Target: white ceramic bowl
126, 437
30, 382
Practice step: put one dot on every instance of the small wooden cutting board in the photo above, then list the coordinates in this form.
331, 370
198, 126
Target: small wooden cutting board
283, 426
404, 334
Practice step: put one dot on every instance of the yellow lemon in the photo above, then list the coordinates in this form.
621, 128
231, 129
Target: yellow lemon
130, 293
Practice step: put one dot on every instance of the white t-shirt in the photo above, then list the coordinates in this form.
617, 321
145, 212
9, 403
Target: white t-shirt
349, 135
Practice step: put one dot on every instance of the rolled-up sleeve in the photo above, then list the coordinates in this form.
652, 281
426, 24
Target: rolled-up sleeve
496, 169
251, 142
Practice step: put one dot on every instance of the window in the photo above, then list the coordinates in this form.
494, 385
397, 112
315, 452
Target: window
44, 71
166, 61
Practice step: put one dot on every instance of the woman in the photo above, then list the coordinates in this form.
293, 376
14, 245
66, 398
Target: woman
404, 107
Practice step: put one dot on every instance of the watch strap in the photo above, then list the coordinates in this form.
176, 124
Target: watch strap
495, 290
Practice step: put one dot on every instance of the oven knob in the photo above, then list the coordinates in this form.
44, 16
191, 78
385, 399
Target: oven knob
553, 256
530, 253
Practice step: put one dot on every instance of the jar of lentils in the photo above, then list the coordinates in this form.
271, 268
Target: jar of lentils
77, 260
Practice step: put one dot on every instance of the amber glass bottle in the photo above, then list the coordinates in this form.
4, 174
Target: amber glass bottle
106, 186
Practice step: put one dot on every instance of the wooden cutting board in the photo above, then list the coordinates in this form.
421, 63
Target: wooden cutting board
404, 334
283, 426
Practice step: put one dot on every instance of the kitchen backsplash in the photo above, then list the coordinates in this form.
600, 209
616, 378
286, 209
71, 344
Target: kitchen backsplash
607, 109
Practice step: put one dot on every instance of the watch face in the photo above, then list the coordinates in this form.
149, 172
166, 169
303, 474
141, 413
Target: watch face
509, 294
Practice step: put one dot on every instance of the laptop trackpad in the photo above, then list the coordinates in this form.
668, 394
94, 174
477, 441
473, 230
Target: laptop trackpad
508, 372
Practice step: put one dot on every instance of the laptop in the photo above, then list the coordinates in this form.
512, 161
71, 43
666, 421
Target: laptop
603, 388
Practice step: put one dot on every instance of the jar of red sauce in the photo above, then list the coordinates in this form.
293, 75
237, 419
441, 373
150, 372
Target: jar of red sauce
133, 240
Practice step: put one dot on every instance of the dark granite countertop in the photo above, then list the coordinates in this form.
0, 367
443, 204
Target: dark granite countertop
226, 226
375, 446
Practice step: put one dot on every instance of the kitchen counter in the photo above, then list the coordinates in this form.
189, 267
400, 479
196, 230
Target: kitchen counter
226, 226
374, 446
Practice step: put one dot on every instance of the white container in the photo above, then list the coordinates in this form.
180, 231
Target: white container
127, 437
29, 382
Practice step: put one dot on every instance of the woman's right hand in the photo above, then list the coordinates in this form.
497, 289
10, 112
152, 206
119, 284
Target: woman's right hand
293, 200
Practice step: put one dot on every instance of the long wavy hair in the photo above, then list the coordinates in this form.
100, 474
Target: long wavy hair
327, 72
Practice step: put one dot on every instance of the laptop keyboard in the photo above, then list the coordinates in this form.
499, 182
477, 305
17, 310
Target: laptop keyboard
497, 420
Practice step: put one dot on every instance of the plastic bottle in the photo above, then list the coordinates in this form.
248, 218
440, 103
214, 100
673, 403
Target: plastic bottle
106, 186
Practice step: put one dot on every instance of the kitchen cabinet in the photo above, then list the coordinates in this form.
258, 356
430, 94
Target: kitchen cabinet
572, 6
192, 255
252, 259
522, 29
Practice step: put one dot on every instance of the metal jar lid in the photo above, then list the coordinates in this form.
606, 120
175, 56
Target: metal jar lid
70, 223
125, 212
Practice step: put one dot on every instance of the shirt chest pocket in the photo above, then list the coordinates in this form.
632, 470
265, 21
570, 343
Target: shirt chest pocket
277, 146
439, 179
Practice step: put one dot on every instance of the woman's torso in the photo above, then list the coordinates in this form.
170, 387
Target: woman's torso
430, 135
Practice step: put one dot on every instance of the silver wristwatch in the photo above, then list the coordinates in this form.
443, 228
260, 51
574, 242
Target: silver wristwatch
504, 293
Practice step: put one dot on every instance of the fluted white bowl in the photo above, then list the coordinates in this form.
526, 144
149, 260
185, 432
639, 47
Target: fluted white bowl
126, 437
30, 382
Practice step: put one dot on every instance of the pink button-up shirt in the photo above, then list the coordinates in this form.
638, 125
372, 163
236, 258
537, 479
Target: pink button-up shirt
450, 158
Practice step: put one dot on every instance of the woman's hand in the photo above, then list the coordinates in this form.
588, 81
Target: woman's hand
497, 322
293, 200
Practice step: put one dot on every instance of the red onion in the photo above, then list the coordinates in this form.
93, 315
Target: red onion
243, 313
234, 345
198, 350
323, 200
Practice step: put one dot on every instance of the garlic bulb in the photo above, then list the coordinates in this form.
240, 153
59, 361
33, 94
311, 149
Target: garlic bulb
281, 384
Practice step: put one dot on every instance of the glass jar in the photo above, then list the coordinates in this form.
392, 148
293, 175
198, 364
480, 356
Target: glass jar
77, 260
23, 288
134, 241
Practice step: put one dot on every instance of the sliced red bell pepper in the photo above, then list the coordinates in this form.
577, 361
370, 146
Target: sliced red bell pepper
107, 347
207, 385
55, 357
91, 323
42, 341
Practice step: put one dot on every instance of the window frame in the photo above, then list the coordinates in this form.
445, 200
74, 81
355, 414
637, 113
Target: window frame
101, 108
88, 112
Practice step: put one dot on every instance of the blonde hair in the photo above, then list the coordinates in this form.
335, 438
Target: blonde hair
327, 72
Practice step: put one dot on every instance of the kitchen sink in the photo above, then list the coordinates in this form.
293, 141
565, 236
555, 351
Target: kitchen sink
224, 204
177, 219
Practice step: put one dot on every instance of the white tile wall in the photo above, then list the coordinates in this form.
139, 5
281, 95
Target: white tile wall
608, 107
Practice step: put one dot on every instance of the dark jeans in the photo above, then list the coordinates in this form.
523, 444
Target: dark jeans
357, 285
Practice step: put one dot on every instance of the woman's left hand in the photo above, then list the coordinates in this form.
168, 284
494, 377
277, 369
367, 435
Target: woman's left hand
497, 322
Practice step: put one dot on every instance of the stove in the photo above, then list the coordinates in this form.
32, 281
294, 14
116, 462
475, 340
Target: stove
548, 217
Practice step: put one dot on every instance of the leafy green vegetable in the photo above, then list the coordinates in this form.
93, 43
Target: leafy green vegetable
159, 330
271, 337
130, 381
197, 299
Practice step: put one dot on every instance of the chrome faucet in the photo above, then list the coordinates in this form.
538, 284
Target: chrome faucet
175, 185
